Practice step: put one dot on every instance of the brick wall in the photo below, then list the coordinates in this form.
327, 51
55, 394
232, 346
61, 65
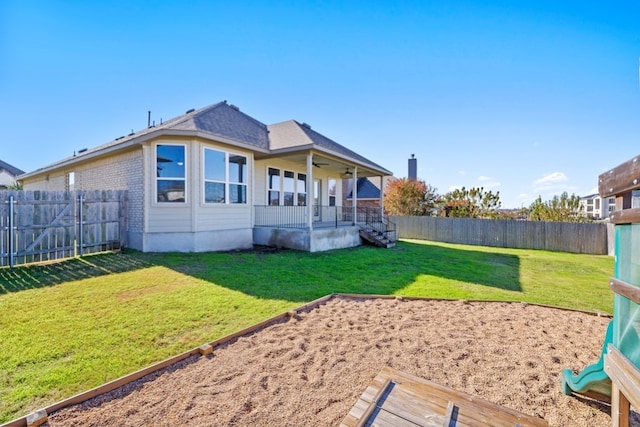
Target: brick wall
119, 172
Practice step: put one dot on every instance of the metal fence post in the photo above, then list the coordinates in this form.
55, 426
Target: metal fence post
11, 233
80, 221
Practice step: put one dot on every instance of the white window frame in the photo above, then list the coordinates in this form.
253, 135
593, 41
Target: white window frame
281, 189
333, 198
306, 189
71, 181
227, 182
158, 178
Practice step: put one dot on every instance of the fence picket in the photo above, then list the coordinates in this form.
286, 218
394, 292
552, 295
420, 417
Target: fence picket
47, 225
587, 238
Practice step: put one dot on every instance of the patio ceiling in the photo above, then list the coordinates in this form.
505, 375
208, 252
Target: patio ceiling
326, 163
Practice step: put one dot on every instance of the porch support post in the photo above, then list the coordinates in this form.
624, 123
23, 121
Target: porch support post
381, 195
354, 195
310, 191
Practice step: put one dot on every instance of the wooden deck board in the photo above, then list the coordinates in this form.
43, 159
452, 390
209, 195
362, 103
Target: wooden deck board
395, 398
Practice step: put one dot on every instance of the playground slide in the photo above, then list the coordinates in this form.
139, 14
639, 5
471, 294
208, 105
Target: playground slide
592, 378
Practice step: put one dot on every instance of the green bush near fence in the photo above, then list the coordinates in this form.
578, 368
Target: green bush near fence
68, 327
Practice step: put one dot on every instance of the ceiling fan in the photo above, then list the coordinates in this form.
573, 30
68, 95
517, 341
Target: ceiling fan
317, 164
347, 173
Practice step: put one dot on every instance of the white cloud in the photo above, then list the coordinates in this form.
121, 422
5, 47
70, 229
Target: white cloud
488, 182
556, 181
552, 177
461, 172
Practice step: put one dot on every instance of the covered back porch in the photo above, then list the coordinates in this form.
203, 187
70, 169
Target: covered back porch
301, 204
332, 227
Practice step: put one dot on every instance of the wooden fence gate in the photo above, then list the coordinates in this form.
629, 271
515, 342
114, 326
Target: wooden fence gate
38, 226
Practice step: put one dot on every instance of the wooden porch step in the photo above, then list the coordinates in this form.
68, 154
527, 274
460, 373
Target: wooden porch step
395, 398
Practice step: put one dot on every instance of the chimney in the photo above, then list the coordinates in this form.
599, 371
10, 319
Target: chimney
413, 168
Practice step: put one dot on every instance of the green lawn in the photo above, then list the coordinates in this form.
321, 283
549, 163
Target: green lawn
68, 327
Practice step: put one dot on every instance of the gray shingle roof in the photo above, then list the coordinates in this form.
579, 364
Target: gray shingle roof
323, 141
11, 169
226, 121
366, 190
291, 134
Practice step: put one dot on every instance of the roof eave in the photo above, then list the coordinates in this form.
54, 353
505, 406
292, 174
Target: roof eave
371, 166
135, 141
301, 148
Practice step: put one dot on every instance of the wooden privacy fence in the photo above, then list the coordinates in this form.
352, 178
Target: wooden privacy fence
584, 238
40, 226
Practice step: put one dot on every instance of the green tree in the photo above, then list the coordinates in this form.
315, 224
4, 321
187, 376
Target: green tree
405, 196
563, 208
14, 186
471, 203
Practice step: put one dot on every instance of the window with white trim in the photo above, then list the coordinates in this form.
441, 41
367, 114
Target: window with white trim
291, 185
170, 173
274, 186
288, 187
301, 187
332, 192
71, 181
225, 177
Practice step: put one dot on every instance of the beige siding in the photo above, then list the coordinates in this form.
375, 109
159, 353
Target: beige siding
212, 216
195, 215
169, 219
6, 178
225, 217
261, 183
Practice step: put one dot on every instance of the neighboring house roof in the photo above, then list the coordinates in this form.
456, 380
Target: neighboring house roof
590, 196
11, 169
366, 190
226, 123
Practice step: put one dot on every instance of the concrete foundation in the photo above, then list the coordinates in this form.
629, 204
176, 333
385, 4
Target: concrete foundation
203, 241
317, 240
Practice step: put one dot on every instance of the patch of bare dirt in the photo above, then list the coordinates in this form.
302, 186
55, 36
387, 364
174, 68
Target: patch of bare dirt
311, 369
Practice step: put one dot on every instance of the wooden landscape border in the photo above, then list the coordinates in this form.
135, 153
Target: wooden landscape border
40, 416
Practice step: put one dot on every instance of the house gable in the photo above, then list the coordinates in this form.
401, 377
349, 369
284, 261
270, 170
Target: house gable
366, 190
228, 121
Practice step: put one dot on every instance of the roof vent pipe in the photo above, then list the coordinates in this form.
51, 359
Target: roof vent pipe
149, 119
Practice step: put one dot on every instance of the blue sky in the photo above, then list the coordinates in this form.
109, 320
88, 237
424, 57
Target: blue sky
525, 98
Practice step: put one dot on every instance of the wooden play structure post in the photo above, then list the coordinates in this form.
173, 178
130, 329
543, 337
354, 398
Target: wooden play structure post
616, 376
622, 359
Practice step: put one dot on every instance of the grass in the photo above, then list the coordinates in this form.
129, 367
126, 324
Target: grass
71, 326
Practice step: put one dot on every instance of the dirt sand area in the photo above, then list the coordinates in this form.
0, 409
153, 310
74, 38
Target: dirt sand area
311, 369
